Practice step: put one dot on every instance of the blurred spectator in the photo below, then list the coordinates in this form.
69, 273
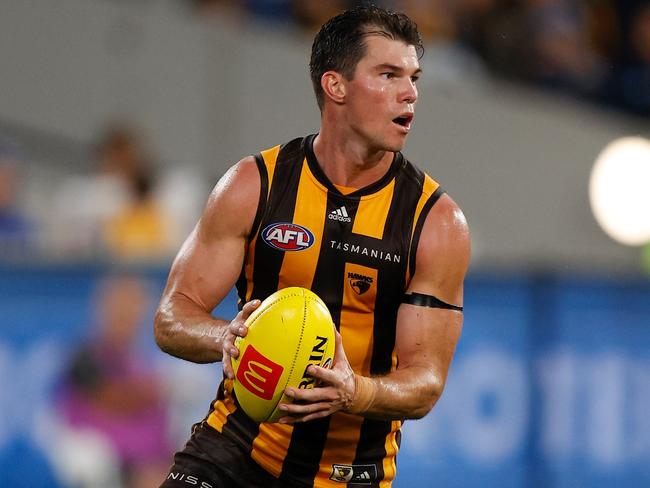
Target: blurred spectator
565, 58
138, 230
311, 14
499, 32
111, 389
629, 85
273, 10
119, 152
270, 10
113, 209
603, 27
16, 230
434, 17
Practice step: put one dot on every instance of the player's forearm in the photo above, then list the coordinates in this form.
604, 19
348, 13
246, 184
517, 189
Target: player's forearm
184, 330
408, 393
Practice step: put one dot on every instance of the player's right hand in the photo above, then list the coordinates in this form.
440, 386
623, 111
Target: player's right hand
236, 328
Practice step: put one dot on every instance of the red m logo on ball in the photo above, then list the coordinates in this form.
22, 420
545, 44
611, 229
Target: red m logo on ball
258, 374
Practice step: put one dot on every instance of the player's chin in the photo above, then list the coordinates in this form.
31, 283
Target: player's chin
395, 144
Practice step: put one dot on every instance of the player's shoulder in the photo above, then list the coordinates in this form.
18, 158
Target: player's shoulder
239, 180
244, 176
234, 199
289, 152
449, 214
446, 231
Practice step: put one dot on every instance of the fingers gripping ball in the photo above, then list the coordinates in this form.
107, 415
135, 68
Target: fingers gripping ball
290, 330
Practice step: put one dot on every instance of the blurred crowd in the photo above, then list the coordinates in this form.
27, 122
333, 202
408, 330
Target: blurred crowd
113, 418
123, 206
111, 402
597, 50
113, 207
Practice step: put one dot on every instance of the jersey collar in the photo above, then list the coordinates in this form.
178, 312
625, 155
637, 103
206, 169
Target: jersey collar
317, 171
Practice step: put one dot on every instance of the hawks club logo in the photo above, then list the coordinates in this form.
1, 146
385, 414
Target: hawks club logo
286, 236
359, 283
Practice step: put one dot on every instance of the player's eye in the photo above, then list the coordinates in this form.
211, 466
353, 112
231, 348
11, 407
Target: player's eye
415, 78
388, 75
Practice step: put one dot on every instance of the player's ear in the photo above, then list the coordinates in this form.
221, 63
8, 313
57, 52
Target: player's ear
334, 86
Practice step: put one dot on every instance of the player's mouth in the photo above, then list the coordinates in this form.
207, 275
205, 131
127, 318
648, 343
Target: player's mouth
404, 121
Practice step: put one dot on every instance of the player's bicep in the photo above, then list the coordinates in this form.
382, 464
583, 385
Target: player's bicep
427, 337
204, 272
209, 262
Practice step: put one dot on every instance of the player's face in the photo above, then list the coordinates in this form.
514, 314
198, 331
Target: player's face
381, 97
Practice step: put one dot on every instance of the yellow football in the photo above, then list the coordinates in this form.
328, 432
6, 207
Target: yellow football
290, 330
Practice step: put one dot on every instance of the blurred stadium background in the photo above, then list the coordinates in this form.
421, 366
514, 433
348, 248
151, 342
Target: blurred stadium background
118, 116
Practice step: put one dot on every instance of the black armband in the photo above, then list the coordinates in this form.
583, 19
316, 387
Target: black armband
422, 300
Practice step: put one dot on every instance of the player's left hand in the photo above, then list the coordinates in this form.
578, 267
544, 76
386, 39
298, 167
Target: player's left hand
236, 328
334, 392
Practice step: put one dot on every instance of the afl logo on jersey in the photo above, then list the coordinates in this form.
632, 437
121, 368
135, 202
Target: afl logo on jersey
286, 236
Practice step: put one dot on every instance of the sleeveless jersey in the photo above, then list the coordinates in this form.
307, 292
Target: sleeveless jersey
357, 252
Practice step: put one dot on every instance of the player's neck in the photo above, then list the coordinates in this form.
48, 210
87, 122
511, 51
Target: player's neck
346, 161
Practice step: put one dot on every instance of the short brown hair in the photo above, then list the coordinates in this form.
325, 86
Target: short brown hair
340, 44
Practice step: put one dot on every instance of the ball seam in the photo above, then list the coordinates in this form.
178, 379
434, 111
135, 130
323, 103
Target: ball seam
302, 331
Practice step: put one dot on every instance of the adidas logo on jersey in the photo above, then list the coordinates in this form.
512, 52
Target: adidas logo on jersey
340, 214
363, 476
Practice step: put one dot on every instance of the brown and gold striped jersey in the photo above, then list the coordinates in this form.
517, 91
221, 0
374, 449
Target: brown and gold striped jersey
356, 250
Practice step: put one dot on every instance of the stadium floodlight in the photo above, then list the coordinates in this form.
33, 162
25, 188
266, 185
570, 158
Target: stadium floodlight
619, 190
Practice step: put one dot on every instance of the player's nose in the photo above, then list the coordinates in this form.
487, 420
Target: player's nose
409, 92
